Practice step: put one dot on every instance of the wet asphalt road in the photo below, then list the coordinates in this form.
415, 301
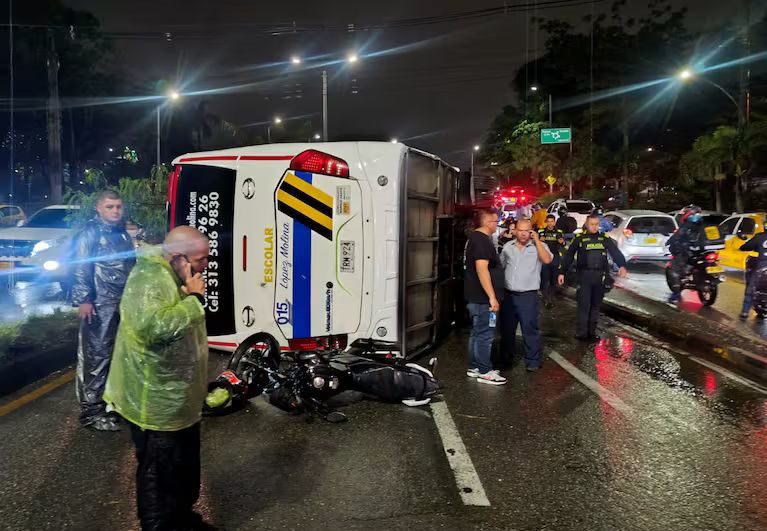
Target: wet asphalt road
687, 450
649, 280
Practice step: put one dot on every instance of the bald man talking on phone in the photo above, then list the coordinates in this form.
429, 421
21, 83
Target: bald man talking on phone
158, 378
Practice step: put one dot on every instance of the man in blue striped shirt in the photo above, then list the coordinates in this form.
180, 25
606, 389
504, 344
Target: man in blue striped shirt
522, 260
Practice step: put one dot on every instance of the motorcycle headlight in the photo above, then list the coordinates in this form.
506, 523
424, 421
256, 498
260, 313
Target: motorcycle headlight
42, 246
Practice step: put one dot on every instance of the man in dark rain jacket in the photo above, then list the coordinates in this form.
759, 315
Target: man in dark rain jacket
103, 257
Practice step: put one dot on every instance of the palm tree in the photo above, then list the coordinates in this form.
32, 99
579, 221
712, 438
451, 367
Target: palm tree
726, 151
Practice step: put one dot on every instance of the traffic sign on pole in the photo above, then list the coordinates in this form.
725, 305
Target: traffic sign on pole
550, 180
561, 135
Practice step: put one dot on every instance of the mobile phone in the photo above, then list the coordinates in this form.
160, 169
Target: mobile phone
179, 262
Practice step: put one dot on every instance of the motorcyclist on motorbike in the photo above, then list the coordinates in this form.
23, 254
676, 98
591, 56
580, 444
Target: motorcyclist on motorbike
566, 223
756, 244
686, 240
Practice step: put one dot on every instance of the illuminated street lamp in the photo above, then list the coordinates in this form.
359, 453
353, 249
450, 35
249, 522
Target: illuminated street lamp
394, 140
351, 59
277, 121
471, 175
687, 74
171, 96
534, 89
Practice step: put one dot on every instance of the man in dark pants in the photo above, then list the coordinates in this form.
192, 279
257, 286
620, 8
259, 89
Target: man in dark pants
756, 244
522, 260
482, 288
555, 241
158, 378
103, 257
591, 249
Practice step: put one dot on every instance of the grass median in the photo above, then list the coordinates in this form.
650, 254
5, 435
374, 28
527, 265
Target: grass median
36, 347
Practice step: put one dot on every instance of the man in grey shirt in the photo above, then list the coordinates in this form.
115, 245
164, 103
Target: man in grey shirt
522, 260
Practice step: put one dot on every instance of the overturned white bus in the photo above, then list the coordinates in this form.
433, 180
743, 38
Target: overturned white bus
323, 244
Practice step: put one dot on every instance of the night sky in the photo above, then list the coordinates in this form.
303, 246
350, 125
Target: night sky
438, 91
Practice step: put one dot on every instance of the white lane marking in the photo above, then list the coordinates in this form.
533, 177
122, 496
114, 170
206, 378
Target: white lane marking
603, 393
729, 374
469, 486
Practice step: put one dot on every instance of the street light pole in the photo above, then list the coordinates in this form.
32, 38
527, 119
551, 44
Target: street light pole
325, 105
551, 111
158, 136
278, 121
472, 195
173, 95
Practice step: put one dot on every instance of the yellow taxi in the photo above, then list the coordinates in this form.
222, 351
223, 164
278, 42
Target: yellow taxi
737, 230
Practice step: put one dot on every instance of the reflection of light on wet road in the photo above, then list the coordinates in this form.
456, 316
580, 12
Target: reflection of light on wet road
709, 383
649, 281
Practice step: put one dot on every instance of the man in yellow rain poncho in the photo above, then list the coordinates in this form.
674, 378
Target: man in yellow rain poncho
158, 378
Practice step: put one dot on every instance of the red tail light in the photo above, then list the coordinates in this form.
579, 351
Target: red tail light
319, 343
523, 198
628, 233
712, 257
314, 161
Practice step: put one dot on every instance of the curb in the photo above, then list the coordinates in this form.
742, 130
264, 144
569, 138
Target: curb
713, 342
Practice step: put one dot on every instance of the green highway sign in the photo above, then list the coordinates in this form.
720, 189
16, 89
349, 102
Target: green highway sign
556, 136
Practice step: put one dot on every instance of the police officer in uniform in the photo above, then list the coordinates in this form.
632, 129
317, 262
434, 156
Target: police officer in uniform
592, 249
756, 244
555, 240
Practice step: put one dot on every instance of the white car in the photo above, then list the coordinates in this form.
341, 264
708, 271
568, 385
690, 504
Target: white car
577, 208
38, 249
641, 235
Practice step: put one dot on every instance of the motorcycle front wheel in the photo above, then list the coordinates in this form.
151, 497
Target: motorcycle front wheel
708, 293
254, 359
672, 279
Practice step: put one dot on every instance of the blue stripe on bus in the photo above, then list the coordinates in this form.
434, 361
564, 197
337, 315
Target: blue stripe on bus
302, 279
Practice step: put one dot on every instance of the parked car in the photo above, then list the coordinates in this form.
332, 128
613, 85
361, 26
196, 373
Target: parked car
641, 235
38, 250
11, 215
577, 208
736, 230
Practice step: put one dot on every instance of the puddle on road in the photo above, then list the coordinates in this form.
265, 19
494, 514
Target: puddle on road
730, 401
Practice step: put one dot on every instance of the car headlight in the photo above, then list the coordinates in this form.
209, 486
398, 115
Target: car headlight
43, 246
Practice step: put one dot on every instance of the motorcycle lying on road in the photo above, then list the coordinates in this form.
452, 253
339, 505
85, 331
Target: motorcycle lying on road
702, 274
304, 381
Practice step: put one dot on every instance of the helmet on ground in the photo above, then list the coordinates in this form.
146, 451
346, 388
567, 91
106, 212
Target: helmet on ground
688, 212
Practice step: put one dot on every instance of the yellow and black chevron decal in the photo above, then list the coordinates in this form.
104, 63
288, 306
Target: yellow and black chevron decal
307, 204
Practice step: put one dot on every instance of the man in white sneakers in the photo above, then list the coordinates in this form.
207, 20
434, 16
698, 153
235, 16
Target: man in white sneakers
483, 287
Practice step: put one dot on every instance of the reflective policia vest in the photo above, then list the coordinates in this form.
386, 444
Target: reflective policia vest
551, 238
592, 254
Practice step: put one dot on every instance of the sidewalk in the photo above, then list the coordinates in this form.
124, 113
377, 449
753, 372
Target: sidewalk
709, 331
